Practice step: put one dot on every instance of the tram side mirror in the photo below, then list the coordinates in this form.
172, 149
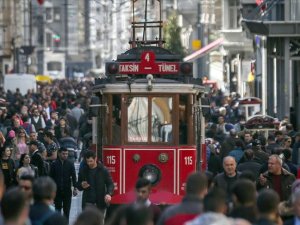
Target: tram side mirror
205, 102
94, 106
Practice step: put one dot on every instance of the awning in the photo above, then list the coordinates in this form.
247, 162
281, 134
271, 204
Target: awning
206, 49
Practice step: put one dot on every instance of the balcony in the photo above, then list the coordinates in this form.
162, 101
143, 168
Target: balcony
273, 28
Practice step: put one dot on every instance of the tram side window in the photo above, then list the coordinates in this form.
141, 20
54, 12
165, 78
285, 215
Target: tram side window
161, 119
137, 112
116, 119
183, 104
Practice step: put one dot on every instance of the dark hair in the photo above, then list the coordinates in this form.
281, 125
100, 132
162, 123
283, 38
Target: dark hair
90, 216
137, 214
243, 196
210, 178
287, 152
43, 188
118, 216
27, 177
90, 154
239, 143
248, 154
25, 118
289, 126
62, 149
22, 159
271, 137
34, 143
142, 182
48, 134
196, 183
214, 200
247, 132
267, 201
12, 204
248, 175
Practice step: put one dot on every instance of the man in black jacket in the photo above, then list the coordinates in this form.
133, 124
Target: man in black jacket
227, 179
96, 183
36, 158
63, 173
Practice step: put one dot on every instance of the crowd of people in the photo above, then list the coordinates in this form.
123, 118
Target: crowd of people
250, 177
40, 135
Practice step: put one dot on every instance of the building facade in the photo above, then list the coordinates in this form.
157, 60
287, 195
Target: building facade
275, 30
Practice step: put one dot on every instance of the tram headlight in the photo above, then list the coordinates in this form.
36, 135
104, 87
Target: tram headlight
186, 69
111, 68
151, 173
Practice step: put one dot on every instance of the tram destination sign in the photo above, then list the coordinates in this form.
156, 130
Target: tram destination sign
157, 68
148, 65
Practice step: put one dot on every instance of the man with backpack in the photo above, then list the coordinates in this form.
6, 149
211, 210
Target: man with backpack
44, 189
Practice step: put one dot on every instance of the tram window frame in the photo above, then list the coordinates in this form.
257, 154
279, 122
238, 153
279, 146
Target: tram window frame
164, 127
105, 120
144, 128
115, 119
149, 136
183, 119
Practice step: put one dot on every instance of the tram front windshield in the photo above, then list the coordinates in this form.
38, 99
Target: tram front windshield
161, 119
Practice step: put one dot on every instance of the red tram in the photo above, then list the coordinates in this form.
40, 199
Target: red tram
149, 120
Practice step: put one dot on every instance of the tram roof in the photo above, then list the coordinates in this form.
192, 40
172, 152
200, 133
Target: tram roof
141, 86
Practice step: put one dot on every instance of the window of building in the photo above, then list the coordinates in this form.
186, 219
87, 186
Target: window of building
54, 66
98, 34
48, 40
48, 14
56, 13
233, 14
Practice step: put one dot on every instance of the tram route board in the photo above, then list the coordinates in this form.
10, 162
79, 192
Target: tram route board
148, 65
